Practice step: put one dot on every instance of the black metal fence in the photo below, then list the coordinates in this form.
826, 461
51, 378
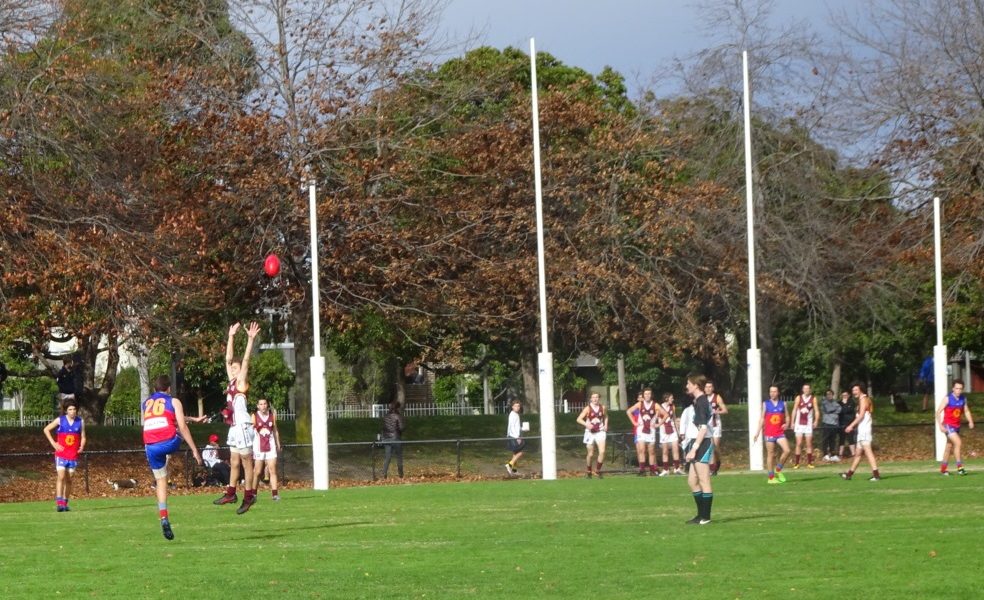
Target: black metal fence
444, 459
357, 462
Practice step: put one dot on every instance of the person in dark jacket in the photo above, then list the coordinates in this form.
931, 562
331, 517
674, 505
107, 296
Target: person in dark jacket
830, 410
849, 409
66, 380
3, 377
392, 433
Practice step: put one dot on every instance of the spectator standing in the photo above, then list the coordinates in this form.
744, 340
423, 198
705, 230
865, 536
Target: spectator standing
515, 443
927, 378
830, 410
66, 379
392, 437
846, 439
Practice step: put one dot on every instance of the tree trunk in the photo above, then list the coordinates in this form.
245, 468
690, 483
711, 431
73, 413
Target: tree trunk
835, 375
623, 388
531, 390
401, 382
302, 381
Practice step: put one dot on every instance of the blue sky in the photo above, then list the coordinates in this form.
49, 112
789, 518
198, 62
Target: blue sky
636, 37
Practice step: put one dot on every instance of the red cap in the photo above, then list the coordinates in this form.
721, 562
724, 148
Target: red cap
212, 439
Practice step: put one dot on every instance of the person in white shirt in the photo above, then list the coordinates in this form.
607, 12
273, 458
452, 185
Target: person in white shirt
516, 443
210, 456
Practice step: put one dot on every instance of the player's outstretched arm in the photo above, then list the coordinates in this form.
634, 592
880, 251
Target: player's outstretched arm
179, 418
251, 332
229, 349
970, 417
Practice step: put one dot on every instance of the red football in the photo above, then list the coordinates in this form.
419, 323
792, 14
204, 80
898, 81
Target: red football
271, 266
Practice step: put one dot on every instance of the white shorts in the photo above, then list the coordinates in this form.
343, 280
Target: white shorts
271, 455
667, 438
597, 437
241, 438
645, 438
716, 431
803, 429
864, 433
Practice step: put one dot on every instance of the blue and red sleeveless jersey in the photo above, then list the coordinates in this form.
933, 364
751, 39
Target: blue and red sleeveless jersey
954, 409
69, 436
160, 424
775, 418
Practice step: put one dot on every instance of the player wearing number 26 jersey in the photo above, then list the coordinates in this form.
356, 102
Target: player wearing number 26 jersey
163, 429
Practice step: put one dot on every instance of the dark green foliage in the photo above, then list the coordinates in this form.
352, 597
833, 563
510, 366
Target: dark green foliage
270, 378
125, 399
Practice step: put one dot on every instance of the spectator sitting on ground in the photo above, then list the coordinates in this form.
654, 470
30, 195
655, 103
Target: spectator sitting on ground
218, 468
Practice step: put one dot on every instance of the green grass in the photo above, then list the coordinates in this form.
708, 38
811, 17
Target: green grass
914, 534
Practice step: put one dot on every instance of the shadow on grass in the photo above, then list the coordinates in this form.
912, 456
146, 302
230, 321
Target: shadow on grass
137, 507
282, 531
763, 516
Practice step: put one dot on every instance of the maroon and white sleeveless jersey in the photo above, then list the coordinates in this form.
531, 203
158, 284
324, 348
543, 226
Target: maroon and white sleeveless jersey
804, 410
647, 416
669, 425
235, 411
596, 418
264, 430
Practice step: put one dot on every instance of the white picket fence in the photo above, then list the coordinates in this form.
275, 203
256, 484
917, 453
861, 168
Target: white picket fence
374, 411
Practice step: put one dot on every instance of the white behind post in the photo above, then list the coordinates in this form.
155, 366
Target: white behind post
319, 408
548, 434
753, 356
940, 383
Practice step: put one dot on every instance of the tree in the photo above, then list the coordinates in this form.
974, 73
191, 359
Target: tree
317, 63
434, 229
817, 218
917, 97
92, 117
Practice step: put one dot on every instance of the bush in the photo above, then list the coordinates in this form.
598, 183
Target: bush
446, 389
125, 399
270, 378
39, 393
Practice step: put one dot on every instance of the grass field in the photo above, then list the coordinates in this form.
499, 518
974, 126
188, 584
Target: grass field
914, 534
